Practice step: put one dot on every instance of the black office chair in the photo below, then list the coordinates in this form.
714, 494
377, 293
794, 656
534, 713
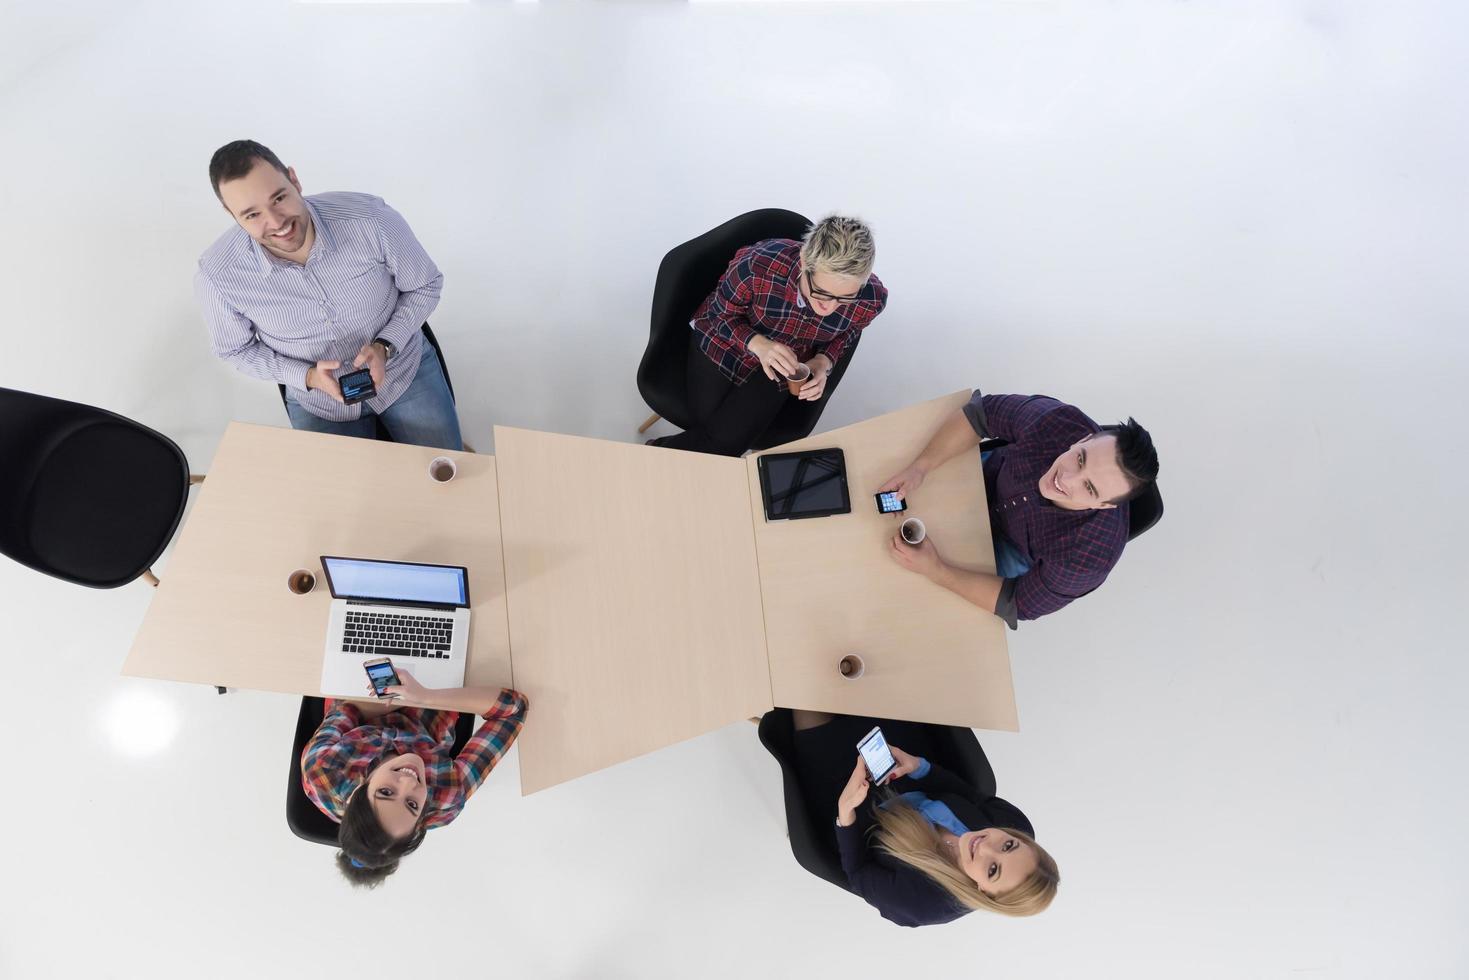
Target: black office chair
302, 816
686, 276
1143, 511
382, 430
87, 496
956, 749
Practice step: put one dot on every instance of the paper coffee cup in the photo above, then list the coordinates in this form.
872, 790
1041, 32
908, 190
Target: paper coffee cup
913, 531
851, 666
795, 382
442, 469
301, 581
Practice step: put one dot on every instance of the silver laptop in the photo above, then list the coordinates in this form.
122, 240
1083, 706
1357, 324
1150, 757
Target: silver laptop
415, 615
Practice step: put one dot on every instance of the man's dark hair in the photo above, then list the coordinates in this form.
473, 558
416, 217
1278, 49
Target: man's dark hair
234, 160
1135, 456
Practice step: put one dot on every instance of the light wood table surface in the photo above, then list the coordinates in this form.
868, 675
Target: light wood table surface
634, 596
830, 588
276, 500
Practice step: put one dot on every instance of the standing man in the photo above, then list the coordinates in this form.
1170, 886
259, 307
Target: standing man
1057, 492
307, 289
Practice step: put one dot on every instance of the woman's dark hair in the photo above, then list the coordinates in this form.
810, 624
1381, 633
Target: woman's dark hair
234, 160
364, 840
1135, 455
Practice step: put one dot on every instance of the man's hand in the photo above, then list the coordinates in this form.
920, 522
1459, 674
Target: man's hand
371, 357
922, 557
777, 360
816, 387
906, 482
852, 795
320, 377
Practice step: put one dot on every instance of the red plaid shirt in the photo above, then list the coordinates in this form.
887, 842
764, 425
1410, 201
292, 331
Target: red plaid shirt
1070, 551
758, 293
341, 754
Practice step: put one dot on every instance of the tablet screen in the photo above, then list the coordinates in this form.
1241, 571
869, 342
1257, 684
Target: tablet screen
810, 484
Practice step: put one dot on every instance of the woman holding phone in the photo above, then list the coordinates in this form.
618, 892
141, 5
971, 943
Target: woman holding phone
935, 848
388, 773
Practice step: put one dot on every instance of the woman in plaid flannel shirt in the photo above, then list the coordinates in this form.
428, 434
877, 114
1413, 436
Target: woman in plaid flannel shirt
387, 773
781, 303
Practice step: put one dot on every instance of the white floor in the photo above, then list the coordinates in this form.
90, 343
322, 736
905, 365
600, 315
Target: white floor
1242, 223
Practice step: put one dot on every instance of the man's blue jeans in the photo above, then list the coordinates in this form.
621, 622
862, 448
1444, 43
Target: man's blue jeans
423, 415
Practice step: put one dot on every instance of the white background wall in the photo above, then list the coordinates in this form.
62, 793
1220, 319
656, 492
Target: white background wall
1242, 223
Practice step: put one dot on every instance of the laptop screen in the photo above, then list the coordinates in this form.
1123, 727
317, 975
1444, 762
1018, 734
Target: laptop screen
397, 581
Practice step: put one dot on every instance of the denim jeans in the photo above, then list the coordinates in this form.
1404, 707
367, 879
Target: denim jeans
1010, 562
423, 415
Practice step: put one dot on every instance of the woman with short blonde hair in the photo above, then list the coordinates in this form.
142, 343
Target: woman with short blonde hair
783, 308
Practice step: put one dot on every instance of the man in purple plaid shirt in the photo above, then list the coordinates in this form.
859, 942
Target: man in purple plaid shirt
1057, 491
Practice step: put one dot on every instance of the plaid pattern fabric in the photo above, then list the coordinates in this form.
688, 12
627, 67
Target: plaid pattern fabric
1070, 551
339, 757
758, 293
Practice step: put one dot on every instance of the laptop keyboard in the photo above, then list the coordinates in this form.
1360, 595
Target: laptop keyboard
392, 635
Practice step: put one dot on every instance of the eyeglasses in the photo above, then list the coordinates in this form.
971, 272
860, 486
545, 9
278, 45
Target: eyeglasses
823, 294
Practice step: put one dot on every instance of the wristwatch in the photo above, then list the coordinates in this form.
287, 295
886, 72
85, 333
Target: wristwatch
388, 349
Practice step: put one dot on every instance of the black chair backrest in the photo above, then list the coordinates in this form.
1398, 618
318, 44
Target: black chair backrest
86, 495
302, 816
686, 276
955, 748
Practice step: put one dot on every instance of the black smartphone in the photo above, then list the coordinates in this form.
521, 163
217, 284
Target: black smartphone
357, 386
890, 502
381, 674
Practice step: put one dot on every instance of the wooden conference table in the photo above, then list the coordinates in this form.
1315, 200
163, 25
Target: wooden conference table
636, 595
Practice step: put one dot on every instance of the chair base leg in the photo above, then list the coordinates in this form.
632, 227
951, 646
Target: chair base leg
195, 479
649, 424
149, 577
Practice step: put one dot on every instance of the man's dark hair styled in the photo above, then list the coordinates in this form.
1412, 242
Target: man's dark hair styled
1135, 455
234, 160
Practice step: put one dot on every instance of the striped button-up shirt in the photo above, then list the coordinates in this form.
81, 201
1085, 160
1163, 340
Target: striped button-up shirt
345, 749
1070, 551
366, 277
759, 293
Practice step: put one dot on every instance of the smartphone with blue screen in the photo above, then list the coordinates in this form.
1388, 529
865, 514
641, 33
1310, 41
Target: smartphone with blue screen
381, 674
357, 386
890, 503
877, 755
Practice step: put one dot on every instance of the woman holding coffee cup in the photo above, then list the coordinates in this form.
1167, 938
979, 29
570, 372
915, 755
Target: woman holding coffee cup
785, 310
925, 847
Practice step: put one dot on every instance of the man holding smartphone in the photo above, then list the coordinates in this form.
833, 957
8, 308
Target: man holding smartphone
1058, 492
305, 290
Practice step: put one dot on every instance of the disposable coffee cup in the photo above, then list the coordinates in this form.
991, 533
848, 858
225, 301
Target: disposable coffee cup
798, 379
913, 531
442, 469
301, 581
851, 666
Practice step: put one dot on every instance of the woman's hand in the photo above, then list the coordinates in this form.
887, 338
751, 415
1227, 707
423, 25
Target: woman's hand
776, 359
816, 387
409, 689
906, 482
922, 557
906, 764
852, 795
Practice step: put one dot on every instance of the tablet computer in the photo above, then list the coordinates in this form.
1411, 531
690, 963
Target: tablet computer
809, 484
